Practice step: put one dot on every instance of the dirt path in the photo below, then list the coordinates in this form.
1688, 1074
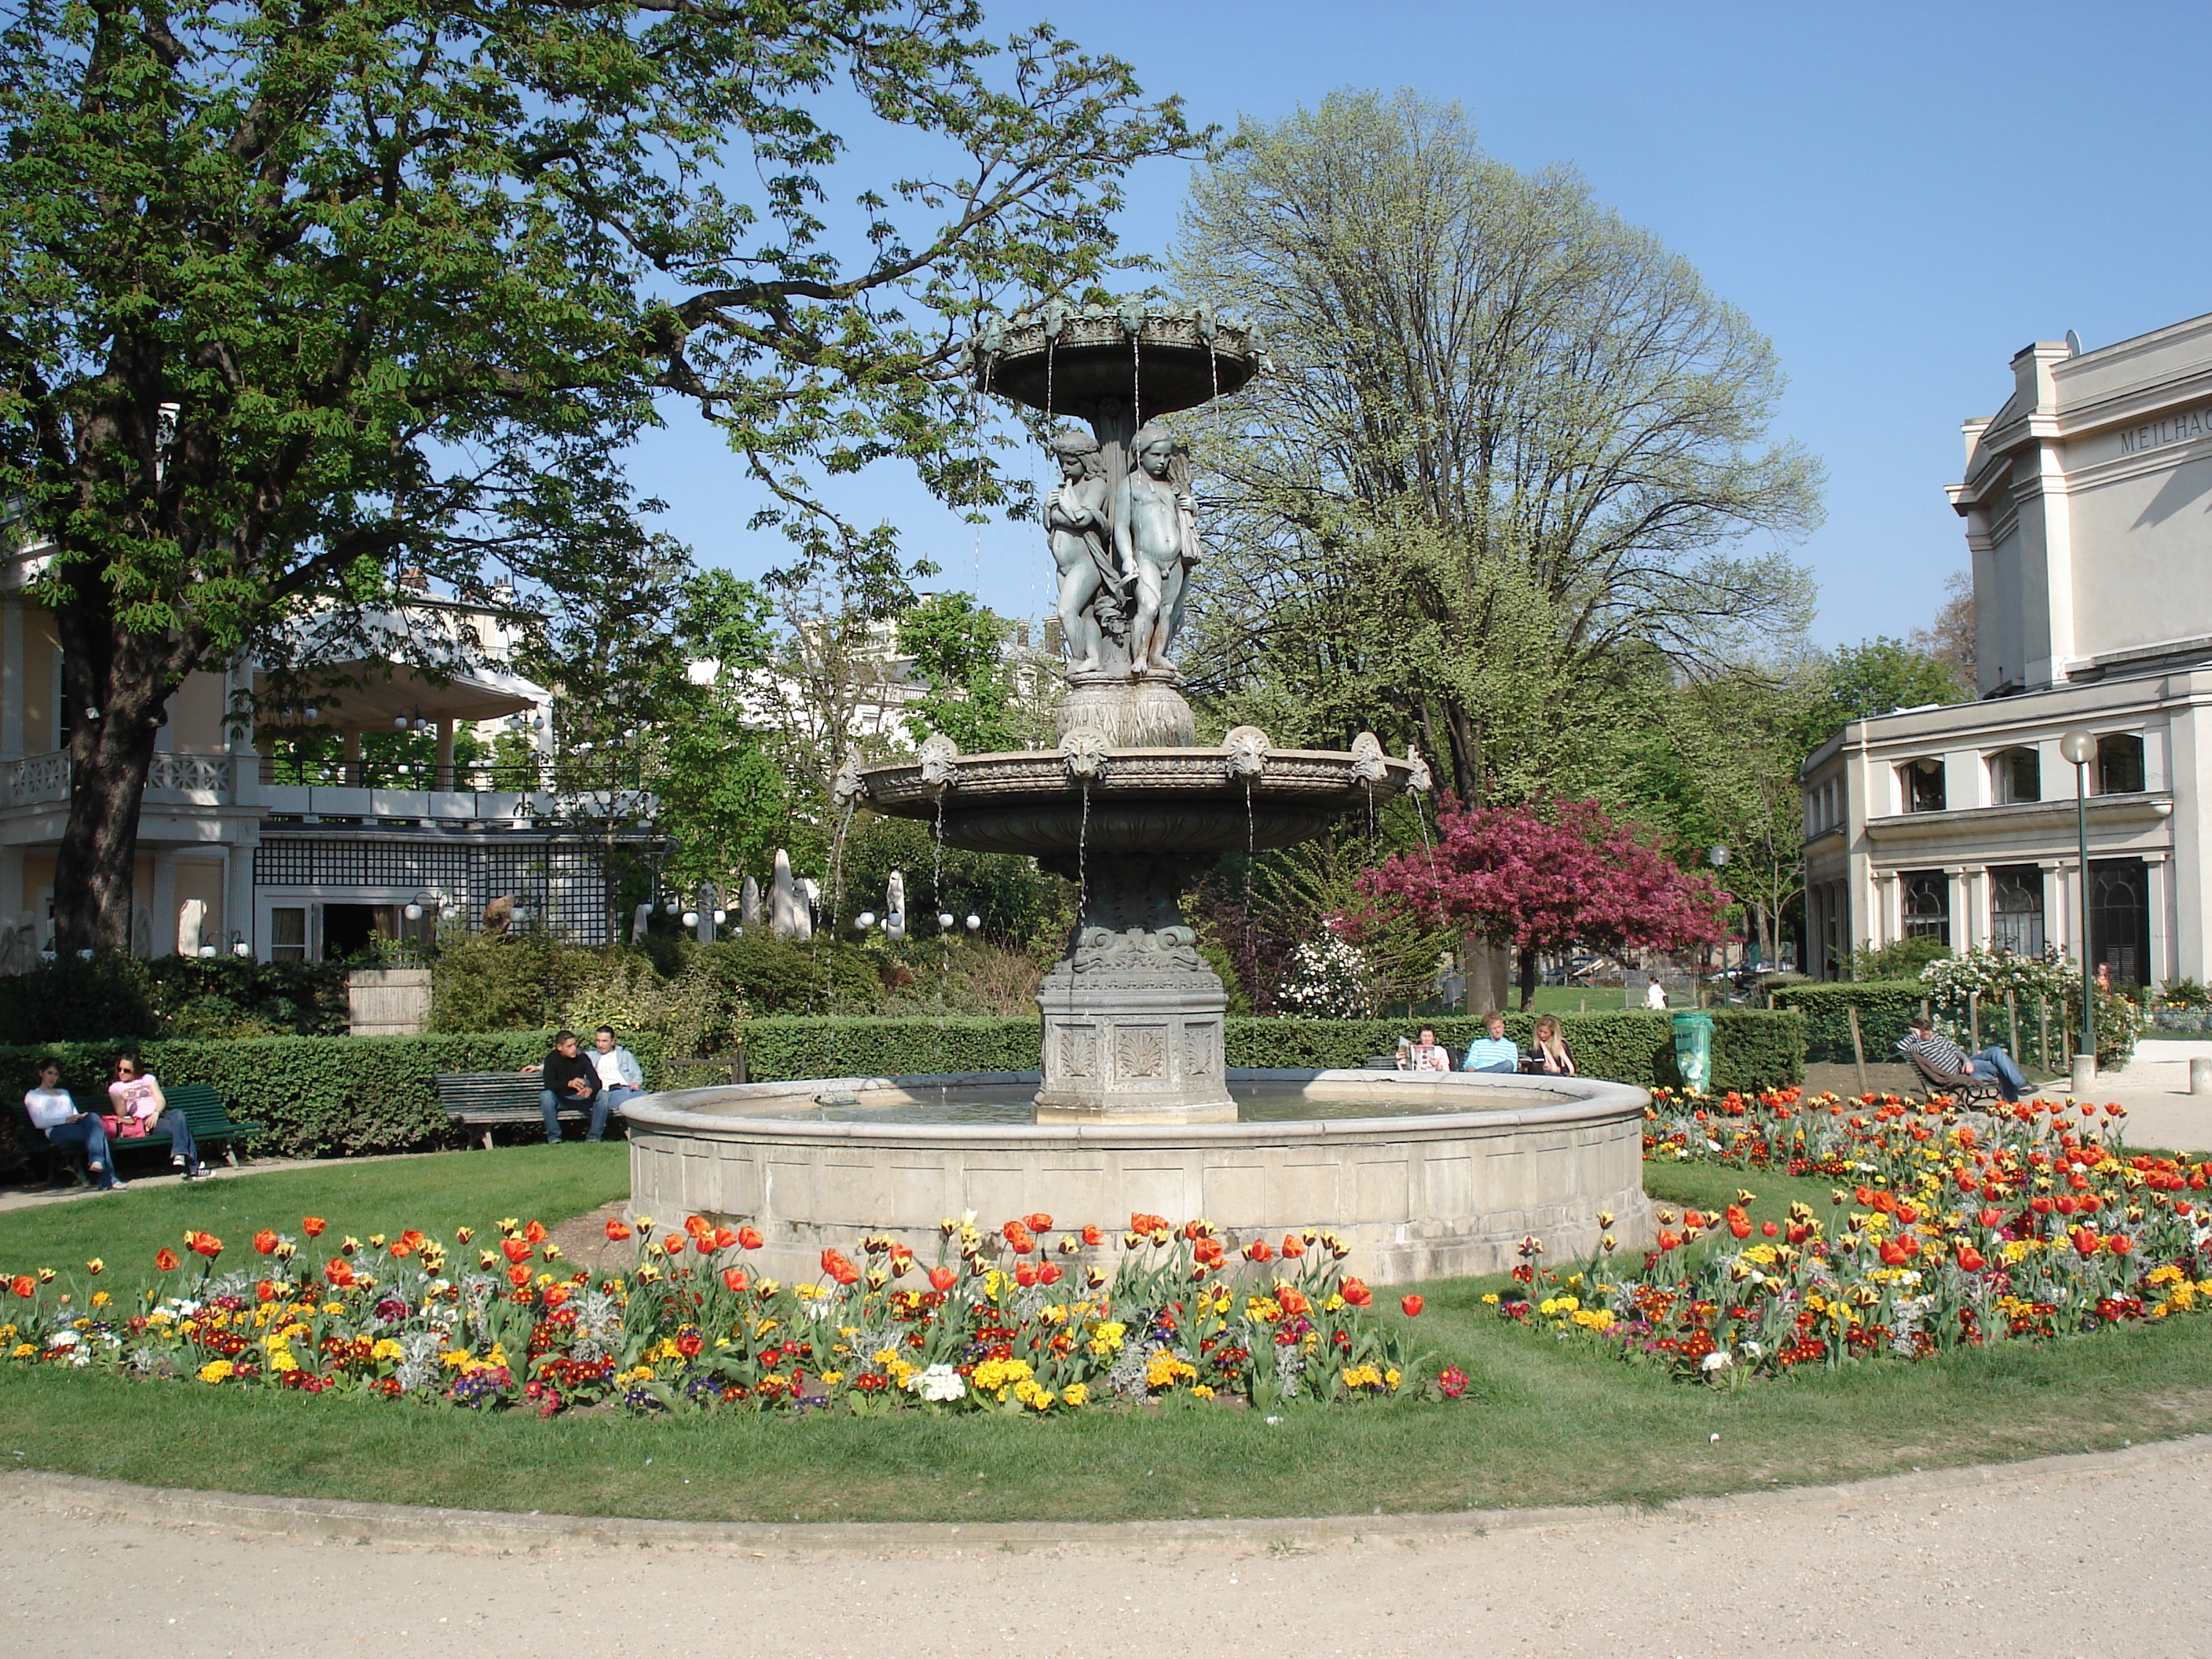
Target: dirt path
2080, 1556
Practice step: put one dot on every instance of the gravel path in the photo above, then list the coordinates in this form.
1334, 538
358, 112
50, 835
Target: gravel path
2090, 1556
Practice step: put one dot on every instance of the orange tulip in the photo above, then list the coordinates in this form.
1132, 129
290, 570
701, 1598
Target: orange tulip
1971, 1259
839, 1269
1357, 1294
515, 1249
1412, 1306
733, 1278
517, 1276
1990, 1216
206, 1244
1038, 1222
264, 1241
535, 1232
698, 1226
724, 1238
942, 1278
313, 1225
617, 1230
1049, 1274
24, 1285
748, 1238
1094, 1236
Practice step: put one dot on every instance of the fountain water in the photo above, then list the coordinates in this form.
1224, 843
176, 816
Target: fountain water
1133, 1107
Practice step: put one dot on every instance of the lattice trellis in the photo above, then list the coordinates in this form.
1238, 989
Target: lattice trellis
564, 885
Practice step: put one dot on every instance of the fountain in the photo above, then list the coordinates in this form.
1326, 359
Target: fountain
1133, 1107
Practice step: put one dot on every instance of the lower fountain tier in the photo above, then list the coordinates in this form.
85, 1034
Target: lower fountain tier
1047, 804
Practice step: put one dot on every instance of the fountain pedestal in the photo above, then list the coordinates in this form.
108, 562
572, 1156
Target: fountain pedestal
1132, 1014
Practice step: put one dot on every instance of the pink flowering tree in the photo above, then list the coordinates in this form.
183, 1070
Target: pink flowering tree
1546, 881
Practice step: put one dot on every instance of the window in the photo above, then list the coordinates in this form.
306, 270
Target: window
1921, 784
1927, 902
2119, 918
2015, 774
2119, 764
288, 933
2016, 908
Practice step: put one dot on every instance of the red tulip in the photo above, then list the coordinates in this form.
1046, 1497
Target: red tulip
264, 1241
2085, 1241
2119, 1243
1411, 1305
1970, 1259
1038, 1222
704, 1245
733, 1278
515, 1249
535, 1232
166, 1260
1990, 1217
517, 1276
835, 1264
1668, 1241
1293, 1246
313, 1225
1025, 1273
943, 1278
724, 1238
1257, 1250
749, 1238
206, 1244
1742, 1228
1049, 1274
1357, 1294
1094, 1236
617, 1230
1770, 1230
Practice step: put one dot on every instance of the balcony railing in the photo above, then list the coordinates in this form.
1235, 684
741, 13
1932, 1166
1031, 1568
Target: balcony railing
503, 792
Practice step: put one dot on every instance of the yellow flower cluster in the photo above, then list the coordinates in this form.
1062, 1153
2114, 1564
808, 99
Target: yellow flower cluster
216, 1370
1106, 1337
1595, 1319
1030, 1394
1555, 1305
1373, 1378
996, 1375
1164, 1369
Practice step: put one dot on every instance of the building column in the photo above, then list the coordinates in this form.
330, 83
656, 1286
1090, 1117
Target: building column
2158, 951
1888, 917
442, 777
11, 691
164, 904
1969, 924
237, 895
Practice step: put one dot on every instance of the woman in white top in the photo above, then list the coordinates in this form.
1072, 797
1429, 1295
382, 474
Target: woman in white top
137, 1094
55, 1115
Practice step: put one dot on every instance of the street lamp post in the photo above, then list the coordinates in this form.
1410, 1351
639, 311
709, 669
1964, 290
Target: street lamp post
2080, 748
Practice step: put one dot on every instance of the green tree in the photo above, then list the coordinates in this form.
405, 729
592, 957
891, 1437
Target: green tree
292, 295
1882, 675
958, 650
1521, 435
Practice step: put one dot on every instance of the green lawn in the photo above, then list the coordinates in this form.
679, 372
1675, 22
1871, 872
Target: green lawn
1544, 1423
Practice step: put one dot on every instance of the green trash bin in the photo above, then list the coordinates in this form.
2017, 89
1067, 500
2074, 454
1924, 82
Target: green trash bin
1693, 1049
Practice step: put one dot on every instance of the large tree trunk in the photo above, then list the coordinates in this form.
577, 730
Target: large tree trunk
1466, 753
123, 678
1529, 966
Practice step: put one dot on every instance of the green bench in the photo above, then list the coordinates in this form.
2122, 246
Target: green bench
488, 1100
212, 1127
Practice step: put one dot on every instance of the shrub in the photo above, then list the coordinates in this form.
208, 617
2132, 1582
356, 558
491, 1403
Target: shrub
71, 998
232, 996
505, 983
1884, 1007
2183, 993
1902, 958
792, 976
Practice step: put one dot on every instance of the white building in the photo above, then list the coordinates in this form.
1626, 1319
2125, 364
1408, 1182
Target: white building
2087, 499
246, 840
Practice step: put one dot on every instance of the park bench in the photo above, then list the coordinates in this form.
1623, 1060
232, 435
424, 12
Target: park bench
1967, 1090
486, 1100
212, 1127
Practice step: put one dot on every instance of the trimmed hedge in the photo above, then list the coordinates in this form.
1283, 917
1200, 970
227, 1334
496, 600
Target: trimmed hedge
1752, 1047
314, 1096
1884, 1005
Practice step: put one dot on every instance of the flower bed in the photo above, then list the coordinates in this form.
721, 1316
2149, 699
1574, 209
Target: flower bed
1951, 1228
1010, 1320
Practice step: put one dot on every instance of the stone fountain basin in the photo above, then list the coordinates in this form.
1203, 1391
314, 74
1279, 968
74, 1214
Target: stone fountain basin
1136, 800
1447, 1187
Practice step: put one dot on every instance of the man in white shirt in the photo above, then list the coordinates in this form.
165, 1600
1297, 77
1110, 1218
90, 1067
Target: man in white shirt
620, 1077
1654, 997
1493, 1052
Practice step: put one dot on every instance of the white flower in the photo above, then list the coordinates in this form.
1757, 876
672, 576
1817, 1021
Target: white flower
62, 1339
939, 1382
1751, 1351
1717, 1360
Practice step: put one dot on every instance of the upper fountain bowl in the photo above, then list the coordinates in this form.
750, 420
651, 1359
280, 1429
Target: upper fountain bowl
1064, 360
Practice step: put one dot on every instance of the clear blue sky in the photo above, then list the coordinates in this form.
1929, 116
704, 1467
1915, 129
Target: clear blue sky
1901, 196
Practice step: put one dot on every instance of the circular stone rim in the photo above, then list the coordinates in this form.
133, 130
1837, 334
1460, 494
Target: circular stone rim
1581, 1099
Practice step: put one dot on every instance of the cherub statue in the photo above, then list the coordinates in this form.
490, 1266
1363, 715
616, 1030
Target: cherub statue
1156, 538
1081, 537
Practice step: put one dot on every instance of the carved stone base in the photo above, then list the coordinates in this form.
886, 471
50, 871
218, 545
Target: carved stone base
1132, 1014
1132, 714
1132, 1056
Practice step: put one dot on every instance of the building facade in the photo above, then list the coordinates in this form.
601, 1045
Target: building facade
2087, 502
280, 834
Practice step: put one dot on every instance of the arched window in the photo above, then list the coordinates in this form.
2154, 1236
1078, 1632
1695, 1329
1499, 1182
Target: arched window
2015, 774
1921, 784
2119, 764
2016, 908
1926, 901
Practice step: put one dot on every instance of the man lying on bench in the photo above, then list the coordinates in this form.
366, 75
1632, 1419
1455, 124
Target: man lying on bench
1947, 1062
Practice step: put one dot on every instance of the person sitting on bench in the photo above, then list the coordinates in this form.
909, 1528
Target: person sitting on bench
1493, 1052
141, 1107
55, 1115
1949, 1061
571, 1083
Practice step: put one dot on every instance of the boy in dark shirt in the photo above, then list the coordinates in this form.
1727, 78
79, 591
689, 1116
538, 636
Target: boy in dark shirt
571, 1080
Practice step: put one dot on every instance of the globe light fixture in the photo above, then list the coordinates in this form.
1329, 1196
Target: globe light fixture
721, 917
974, 921
946, 921
690, 918
865, 920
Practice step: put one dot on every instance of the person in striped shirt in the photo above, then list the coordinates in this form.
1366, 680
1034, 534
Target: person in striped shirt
1949, 1060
